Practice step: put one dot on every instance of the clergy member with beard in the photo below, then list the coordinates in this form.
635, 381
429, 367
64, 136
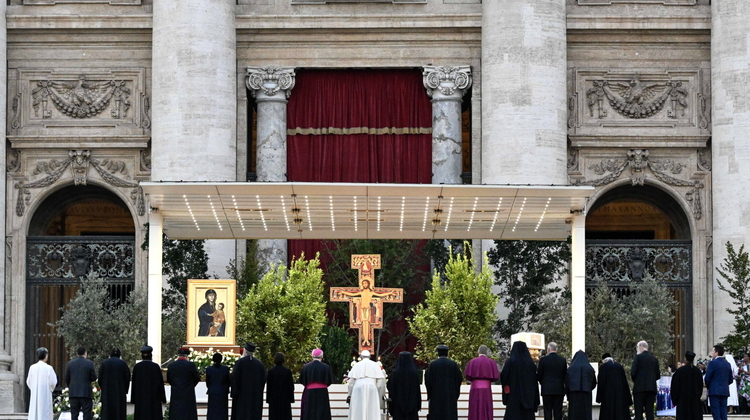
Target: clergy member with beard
443, 382
183, 376
366, 389
403, 389
520, 390
482, 372
579, 382
280, 390
248, 382
687, 387
613, 391
316, 376
114, 379
148, 388
41, 381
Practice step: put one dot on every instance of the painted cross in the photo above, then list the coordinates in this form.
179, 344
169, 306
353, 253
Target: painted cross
366, 301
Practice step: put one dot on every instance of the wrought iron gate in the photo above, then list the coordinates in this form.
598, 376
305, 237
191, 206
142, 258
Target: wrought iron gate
54, 265
621, 262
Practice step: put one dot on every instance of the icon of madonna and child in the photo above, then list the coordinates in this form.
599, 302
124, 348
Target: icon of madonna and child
211, 317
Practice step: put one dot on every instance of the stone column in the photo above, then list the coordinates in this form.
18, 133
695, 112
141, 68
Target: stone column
446, 86
730, 72
194, 106
271, 88
11, 393
524, 131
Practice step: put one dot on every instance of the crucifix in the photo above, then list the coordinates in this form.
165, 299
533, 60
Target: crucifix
366, 301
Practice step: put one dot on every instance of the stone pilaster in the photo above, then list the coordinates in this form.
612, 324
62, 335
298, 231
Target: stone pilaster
524, 131
446, 86
271, 88
730, 71
194, 105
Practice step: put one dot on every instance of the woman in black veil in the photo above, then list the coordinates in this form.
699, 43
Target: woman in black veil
403, 389
520, 389
580, 380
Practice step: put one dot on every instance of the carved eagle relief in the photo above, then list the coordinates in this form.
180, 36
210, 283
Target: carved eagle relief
636, 99
82, 98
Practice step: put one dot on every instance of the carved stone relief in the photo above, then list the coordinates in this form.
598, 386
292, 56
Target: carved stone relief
47, 172
113, 2
52, 107
640, 104
643, 165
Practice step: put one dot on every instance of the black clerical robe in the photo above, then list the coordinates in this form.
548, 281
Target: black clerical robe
315, 402
404, 391
687, 387
580, 381
520, 389
248, 382
217, 388
183, 376
613, 392
148, 391
443, 382
280, 393
114, 380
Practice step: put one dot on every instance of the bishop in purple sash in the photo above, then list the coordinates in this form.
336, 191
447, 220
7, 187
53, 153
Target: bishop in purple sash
482, 372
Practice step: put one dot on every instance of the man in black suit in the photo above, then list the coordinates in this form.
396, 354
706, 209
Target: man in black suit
551, 376
79, 374
644, 372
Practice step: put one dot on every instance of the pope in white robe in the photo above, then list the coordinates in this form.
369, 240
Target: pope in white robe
366, 389
41, 381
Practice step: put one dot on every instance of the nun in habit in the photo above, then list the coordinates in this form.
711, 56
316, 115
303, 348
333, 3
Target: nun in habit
403, 389
520, 389
580, 380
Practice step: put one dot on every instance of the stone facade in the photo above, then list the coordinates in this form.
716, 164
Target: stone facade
597, 92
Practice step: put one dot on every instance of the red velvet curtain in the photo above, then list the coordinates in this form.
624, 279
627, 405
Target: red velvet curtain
358, 126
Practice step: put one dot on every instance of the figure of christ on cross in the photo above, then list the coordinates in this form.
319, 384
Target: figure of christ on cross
366, 301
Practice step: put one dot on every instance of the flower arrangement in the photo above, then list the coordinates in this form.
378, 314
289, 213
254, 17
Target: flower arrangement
62, 401
202, 359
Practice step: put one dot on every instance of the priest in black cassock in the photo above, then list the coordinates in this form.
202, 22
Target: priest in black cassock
217, 388
443, 382
279, 390
316, 376
248, 382
403, 389
114, 379
580, 381
687, 387
613, 391
183, 376
148, 388
520, 389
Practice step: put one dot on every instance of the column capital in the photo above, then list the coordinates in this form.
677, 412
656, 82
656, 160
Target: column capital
270, 83
446, 82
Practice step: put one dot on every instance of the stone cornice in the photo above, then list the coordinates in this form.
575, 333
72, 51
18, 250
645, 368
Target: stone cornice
79, 21
583, 22
359, 21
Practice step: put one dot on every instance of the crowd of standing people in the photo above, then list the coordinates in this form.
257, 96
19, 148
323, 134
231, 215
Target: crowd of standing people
520, 378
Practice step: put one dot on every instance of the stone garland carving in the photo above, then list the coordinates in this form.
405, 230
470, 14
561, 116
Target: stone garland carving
638, 160
270, 80
636, 99
446, 79
146, 111
704, 160
79, 161
146, 160
15, 123
573, 160
703, 124
572, 115
81, 99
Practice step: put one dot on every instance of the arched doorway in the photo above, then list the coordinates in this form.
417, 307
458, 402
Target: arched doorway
76, 230
635, 232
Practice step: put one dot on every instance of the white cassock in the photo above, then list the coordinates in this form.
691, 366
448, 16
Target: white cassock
366, 389
733, 399
41, 381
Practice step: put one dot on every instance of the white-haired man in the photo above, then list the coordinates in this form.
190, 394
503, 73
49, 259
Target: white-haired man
644, 372
366, 389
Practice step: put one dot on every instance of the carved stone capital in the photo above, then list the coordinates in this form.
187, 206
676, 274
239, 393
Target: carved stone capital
270, 83
446, 83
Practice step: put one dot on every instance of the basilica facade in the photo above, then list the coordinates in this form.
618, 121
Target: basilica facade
647, 101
